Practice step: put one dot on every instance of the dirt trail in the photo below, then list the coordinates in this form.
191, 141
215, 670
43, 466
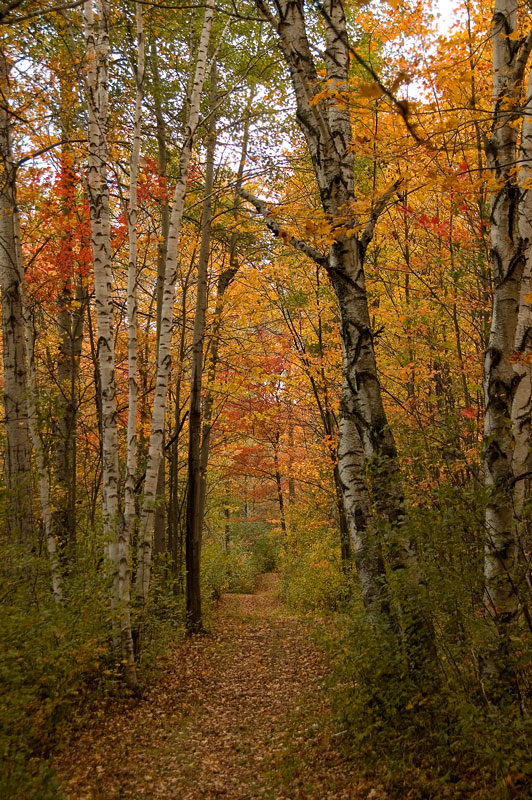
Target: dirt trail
238, 714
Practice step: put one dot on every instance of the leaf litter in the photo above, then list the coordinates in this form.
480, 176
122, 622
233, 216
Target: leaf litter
237, 714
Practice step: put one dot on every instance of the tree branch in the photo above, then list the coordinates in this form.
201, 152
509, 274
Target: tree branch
6, 20
376, 210
276, 229
401, 105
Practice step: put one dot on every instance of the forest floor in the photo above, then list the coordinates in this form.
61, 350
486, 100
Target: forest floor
237, 714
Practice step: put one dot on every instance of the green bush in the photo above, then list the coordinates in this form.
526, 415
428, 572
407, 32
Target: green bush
311, 569
50, 659
233, 566
165, 622
434, 739
438, 744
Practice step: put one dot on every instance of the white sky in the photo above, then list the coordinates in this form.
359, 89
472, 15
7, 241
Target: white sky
445, 10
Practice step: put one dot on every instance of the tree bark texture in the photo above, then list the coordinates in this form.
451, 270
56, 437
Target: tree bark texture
505, 385
19, 521
160, 543
97, 50
366, 443
132, 214
21, 337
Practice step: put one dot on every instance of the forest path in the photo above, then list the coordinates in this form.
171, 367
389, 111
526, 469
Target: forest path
238, 714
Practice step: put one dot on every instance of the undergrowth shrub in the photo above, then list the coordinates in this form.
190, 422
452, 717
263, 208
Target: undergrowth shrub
165, 622
310, 564
232, 564
442, 744
55, 660
50, 659
436, 739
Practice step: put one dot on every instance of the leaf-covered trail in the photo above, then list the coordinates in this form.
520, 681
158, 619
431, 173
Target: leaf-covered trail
238, 714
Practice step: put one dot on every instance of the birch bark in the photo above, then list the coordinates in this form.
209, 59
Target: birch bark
365, 438
505, 385
97, 49
20, 336
165, 339
162, 163
18, 444
132, 213
522, 403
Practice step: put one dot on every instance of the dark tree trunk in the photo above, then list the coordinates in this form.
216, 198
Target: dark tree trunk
194, 520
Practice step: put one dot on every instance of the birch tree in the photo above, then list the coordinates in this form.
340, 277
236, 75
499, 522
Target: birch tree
366, 442
162, 164
19, 338
132, 278
507, 385
145, 545
18, 443
97, 50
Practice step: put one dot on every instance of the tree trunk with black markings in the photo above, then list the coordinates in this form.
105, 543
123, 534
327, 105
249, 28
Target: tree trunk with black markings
20, 390
506, 381
368, 466
115, 526
17, 465
145, 544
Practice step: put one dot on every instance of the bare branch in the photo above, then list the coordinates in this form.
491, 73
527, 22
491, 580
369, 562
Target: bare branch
401, 105
47, 149
6, 20
276, 229
376, 210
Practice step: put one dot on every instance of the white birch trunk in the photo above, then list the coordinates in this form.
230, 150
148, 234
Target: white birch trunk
165, 338
365, 438
132, 213
126, 531
12, 269
20, 522
521, 408
97, 46
501, 379
97, 49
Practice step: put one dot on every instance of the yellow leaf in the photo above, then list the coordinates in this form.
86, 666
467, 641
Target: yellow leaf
370, 90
